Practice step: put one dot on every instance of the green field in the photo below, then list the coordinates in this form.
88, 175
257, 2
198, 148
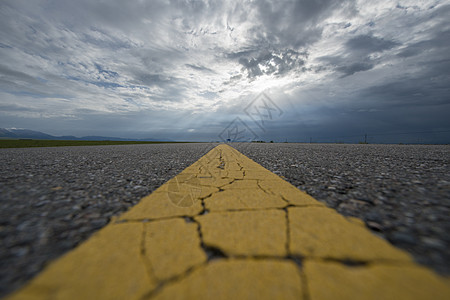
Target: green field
25, 143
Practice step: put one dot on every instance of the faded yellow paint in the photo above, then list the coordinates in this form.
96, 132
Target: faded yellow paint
238, 279
242, 184
331, 280
107, 266
235, 199
252, 233
323, 233
289, 192
158, 205
172, 247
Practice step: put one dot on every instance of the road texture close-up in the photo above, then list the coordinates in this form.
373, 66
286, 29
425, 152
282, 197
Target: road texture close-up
51, 199
54, 198
402, 192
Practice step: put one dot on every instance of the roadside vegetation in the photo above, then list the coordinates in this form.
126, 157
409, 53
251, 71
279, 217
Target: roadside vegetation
27, 143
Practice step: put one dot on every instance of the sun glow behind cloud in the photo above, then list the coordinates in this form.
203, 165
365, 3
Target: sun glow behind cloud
69, 67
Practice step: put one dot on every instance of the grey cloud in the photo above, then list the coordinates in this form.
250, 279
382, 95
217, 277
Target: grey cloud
284, 25
385, 109
111, 15
252, 66
295, 24
160, 80
239, 54
369, 44
312, 9
22, 84
12, 76
414, 89
411, 51
105, 74
233, 79
345, 65
357, 59
112, 59
104, 40
11, 108
199, 68
403, 94
355, 67
439, 40
276, 62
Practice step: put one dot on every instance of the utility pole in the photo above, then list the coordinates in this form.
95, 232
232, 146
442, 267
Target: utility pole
365, 138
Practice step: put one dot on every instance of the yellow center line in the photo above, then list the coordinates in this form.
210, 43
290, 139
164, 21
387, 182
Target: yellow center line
226, 227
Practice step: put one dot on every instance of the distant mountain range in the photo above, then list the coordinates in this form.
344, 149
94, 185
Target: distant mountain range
14, 133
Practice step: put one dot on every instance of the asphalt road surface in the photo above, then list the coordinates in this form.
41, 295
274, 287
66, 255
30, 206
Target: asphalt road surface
51, 199
402, 192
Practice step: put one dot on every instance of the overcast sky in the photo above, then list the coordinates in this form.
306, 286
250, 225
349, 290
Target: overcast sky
194, 70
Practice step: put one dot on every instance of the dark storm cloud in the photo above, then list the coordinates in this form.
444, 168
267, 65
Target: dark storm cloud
357, 55
285, 28
152, 64
351, 69
429, 88
294, 23
346, 65
369, 44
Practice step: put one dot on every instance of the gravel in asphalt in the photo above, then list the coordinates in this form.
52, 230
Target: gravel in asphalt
51, 199
402, 192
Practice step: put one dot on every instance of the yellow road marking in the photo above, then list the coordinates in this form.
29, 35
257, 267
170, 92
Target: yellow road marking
224, 228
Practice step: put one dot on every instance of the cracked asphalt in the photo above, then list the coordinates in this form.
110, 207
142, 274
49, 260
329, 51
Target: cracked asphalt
54, 198
240, 232
402, 192
51, 199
